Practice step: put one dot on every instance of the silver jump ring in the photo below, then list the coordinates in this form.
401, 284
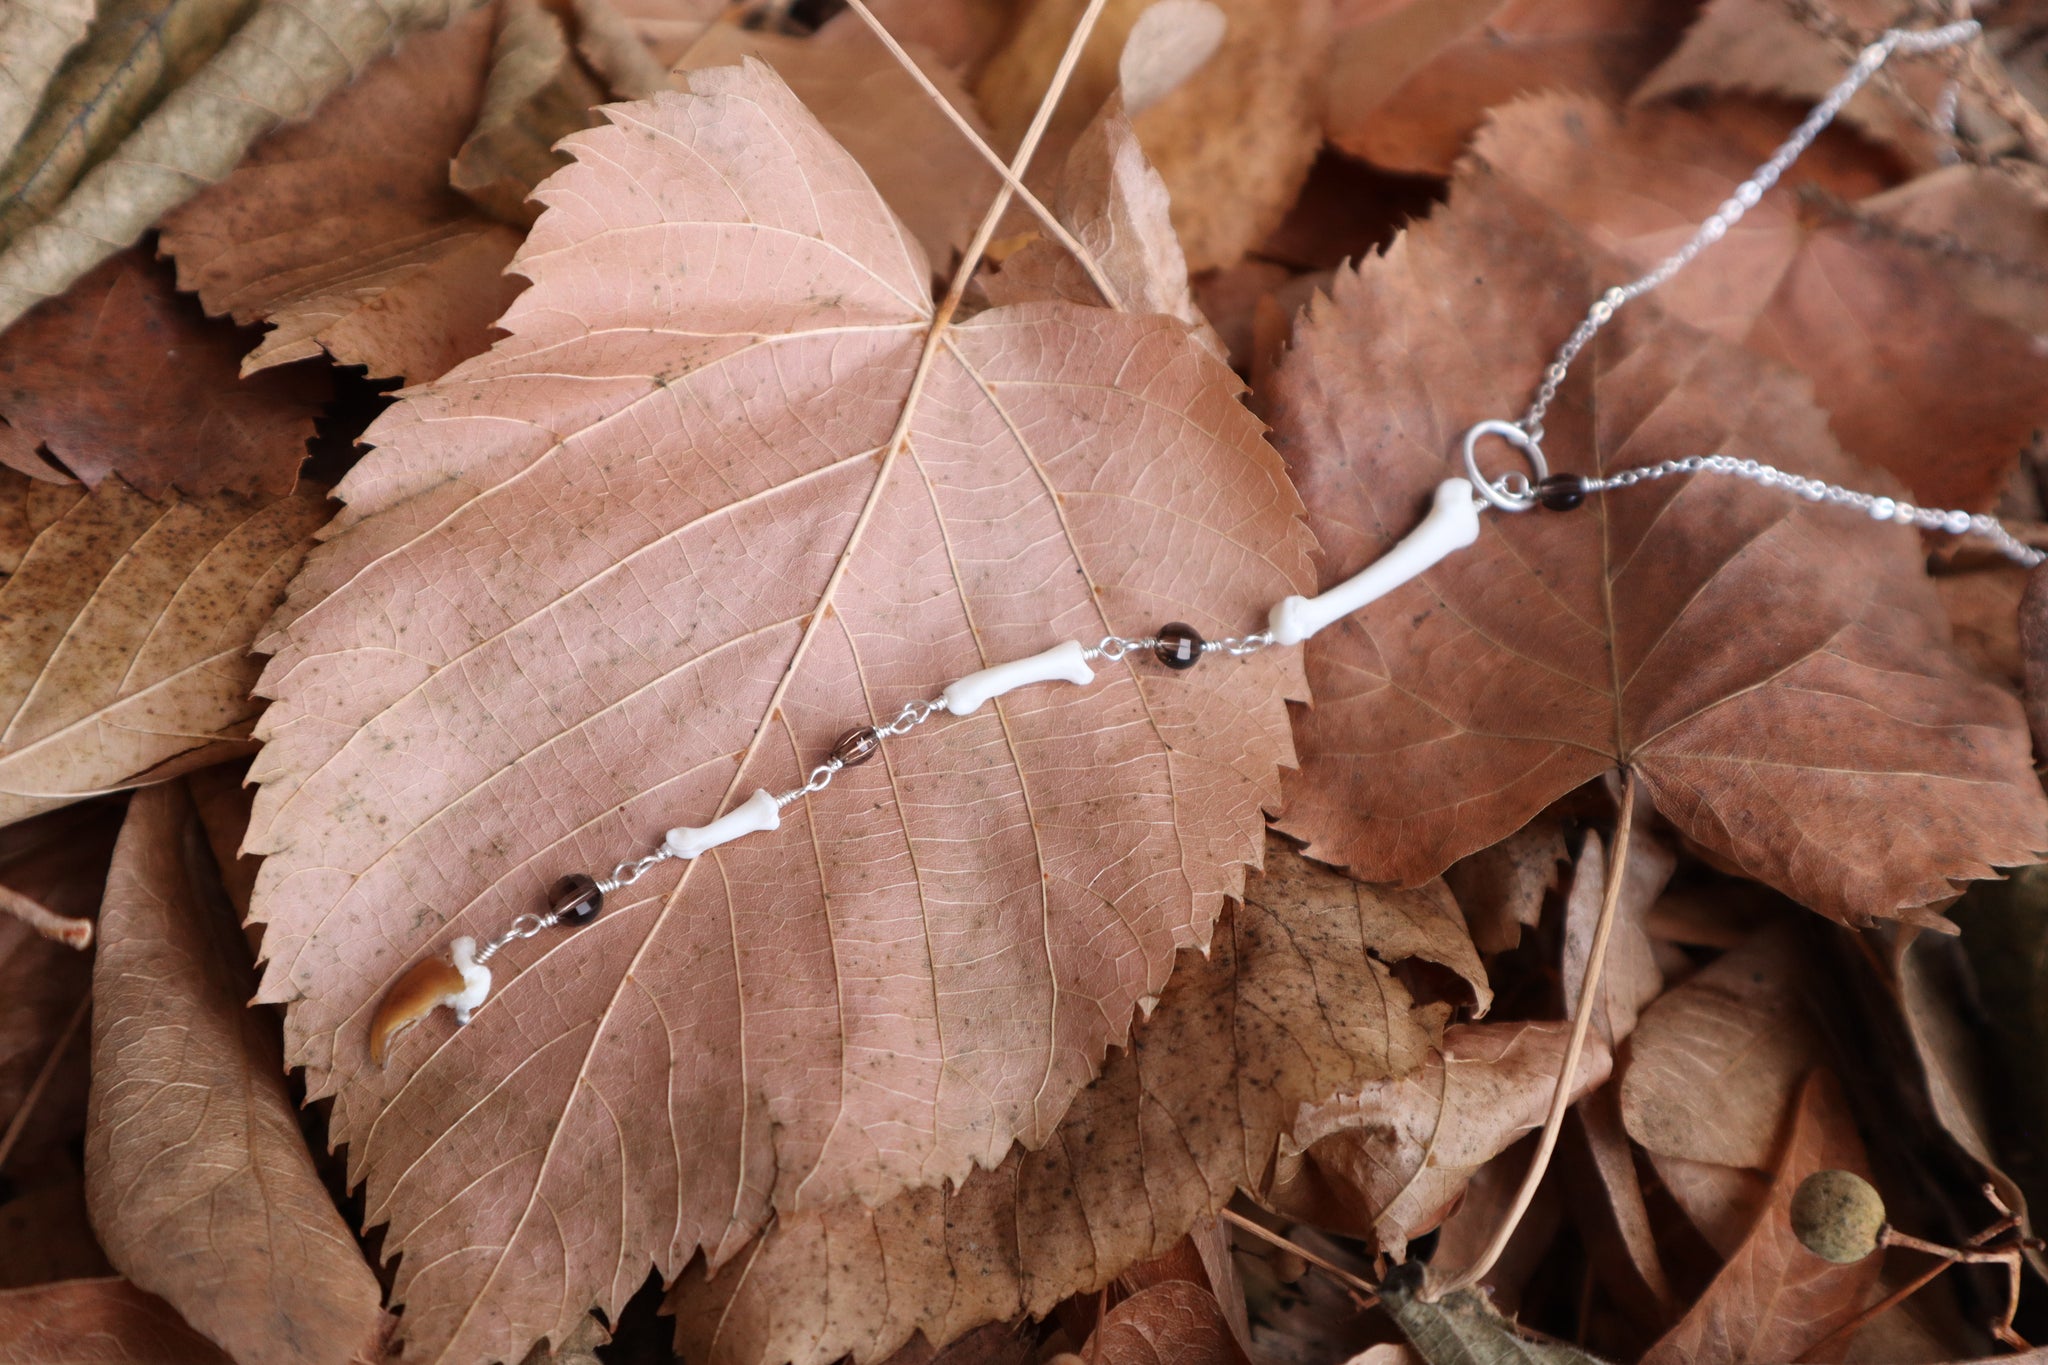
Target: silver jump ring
1501, 493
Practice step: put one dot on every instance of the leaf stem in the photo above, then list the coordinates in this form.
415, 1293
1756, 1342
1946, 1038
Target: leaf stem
42, 1080
1582, 1019
1081, 254
1287, 1244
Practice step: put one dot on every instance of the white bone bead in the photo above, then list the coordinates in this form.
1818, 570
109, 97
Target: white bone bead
476, 979
1061, 663
1452, 524
757, 813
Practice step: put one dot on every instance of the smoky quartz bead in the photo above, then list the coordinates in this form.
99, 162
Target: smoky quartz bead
1561, 492
576, 899
1179, 645
857, 746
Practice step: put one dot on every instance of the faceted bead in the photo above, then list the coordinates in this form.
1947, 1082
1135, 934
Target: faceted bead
1179, 646
576, 899
1561, 492
857, 746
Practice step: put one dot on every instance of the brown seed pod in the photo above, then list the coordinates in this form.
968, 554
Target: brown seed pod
1837, 1215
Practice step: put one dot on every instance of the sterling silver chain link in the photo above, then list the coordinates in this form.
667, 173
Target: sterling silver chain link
1515, 492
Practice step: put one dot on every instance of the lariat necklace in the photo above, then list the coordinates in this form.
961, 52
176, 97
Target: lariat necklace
461, 979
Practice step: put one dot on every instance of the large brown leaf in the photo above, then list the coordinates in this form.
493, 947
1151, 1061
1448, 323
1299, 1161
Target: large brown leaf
1289, 1007
97, 1322
1175, 1323
124, 639
123, 376
1778, 673
1914, 379
201, 1187
342, 232
656, 550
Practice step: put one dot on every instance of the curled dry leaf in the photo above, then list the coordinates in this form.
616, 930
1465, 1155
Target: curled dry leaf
342, 233
199, 1181
279, 66
1779, 674
923, 166
1915, 380
1775, 1300
123, 376
1234, 142
1501, 887
538, 93
1291, 1005
1464, 1329
1386, 1162
1631, 978
660, 546
35, 37
1412, 80
1716, 1061
124, 639
1175, 1323
97, 1322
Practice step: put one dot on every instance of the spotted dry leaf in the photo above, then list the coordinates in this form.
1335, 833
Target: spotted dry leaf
342, 234
1291, 1005
654, 552
1778, 673
1914, 379
124, 639
198, 1178
1175, 1323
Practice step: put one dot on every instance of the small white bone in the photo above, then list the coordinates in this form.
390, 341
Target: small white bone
1452, 524
1061, 663
757, 813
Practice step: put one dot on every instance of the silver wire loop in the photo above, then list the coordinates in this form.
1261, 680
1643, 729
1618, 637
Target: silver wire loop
1513, 491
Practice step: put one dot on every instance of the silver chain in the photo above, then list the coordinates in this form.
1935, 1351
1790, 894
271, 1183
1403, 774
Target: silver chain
1514, 492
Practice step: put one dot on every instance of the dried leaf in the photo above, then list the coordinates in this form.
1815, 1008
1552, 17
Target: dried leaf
1761, 47
1619, 1234
27, 508
626, 600
1716, 1062
1234, 142
1989, 236
1501, 887
1386, 1162
201, 1187
1721, 1202
1775, 1299
537, 94
44, 1236
97, 1322
926, 170
1983, 609
1411, 82
125, 636
35, 37
1464, 1329
277, 67
960, 33
1777, 673
607, 43
1290, 1006
1167, 1324
135, 52
1631, 978
122, 376
342, 232
1914, 379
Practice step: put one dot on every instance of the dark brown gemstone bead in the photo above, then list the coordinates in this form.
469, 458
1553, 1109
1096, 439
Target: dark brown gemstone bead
1561, 492
857, 746
576, 899
1179, 645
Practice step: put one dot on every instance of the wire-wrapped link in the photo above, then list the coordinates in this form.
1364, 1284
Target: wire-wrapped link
1237, 646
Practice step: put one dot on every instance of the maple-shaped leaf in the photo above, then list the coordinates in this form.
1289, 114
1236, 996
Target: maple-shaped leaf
342, 232
1914, 379
199, 1181
714, 500
124, 639
122, 375
1291, 1005
1778, 673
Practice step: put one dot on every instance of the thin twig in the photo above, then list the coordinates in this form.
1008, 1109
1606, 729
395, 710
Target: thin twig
42, 1081
1345, 1277
1582, 1019
72, 933
1081, 254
